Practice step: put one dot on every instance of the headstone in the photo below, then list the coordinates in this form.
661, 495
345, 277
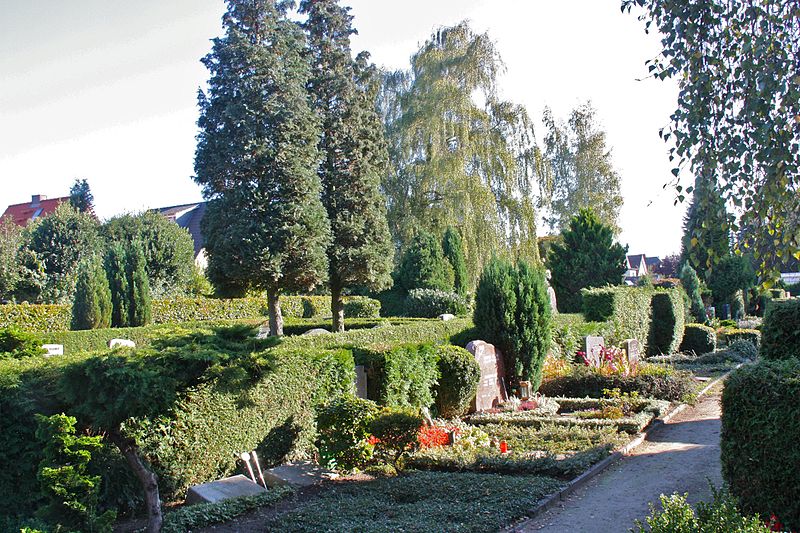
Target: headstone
316, 331
223, 489
711, 312
632, 350
53, 349
726, 311
426, 416
446, 316
551, 293
263, 331
361, 381
491, 387
300, 474
116, 343
592, 346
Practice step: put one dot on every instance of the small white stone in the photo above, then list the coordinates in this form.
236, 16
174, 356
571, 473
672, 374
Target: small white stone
116, 343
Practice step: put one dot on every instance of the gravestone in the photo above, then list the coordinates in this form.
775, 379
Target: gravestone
116, 343
263, 331
592, 346
53, 349
551, 293
316, 331
446, 316
491, 387
223, 489
361, 381
632, 350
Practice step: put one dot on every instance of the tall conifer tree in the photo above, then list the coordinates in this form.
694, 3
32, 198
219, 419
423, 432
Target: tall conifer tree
354, 154
257, 157
706, 228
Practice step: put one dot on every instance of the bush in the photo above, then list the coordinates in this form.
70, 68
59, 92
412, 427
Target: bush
744, 348
698, 339
424, 266
403, 375
668, 320
760, 432
458, 382
91, 308
569, 330
735, 334
361, 307
396, 433
430, 303
16, 344
342, 429
691, 284
780, 332
627, 308
661, 383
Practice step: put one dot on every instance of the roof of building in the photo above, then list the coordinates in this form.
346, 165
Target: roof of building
39, 206
188, 216
635, 260
652, 261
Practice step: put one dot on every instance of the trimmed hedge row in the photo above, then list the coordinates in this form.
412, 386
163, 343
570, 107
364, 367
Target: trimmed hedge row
734, 334
569, 330
668, 320
760, 432
57, 317
627, 308
780, 332
698, 339
675, 386
400, 375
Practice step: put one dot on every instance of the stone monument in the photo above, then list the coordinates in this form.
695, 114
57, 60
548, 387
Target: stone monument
491, 387
592, 346
551, 293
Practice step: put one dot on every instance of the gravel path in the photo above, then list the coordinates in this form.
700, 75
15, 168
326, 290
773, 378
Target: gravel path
681, 456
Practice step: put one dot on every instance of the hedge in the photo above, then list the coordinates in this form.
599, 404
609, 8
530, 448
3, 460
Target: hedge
698, 339
734, 334
459, 374
400, 375
57, 317
675, 386
760, 432
627, 308
668, 320
780, 332
569, 330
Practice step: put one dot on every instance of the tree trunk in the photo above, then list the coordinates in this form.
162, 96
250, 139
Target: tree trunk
275, 317
147, 479
337, 308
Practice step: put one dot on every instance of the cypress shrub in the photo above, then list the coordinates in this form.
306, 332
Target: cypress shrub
698, 339
92, 307
666, 327
691, 284
140, 305
780, 332
424, 266
454, 253
495, 309
760, 432
115, 263
458, 382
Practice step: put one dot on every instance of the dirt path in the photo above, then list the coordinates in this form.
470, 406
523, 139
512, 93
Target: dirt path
682, 456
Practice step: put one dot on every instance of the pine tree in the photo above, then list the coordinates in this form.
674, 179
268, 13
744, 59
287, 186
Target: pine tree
257, 155
115, 264
706, 229
691, 285
91, 308
424, 266
354, 155
454, 252
80, 197
139, 304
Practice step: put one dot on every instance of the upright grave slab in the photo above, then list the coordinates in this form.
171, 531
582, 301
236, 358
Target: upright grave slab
592, 347
491, 387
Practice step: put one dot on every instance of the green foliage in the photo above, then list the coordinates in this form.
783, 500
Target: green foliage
400, 375
759, 439
752, 336
533, 323
342, 431
731, 274
745, 348
139, 302
430, 303
92, 306
396, 431
16, 344
722, 515
698, 339
115, 264
588, 257
453, 250
691, 284
780, 332
424, 266
569, 331
706, 229
458, 382
71, 492
628, 309
21, 271
668, 321
80, 196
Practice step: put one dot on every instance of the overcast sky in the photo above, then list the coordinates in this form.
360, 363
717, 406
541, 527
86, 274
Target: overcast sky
106, 90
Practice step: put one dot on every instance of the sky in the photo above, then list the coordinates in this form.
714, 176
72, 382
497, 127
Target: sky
106, 90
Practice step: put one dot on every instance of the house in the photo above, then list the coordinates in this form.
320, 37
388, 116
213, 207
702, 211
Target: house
39, 206
637, 266
189, 216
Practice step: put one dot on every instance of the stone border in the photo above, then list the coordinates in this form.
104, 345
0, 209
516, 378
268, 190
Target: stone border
617, 454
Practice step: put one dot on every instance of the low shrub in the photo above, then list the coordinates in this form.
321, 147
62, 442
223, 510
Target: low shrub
760, 432
780, 332
430, 303
698, 339
459, 375
627, 308
342, 431
745, 348
751, 335
395, 433
16, 344
568, 333
668, 320
403, 375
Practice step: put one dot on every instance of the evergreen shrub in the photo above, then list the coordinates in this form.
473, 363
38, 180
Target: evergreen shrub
91, 308
780, 332
698, 339
16, 344
668, 320
734, 334
424, 266
458, 382
628, 310
430, 303
342, 432
400, 375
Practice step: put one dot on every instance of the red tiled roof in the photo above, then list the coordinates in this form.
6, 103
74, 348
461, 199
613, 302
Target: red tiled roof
21, 214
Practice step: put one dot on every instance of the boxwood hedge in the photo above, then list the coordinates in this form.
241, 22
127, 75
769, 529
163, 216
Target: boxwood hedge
626, 308
668, 320
760, 432
780, 332
698, 339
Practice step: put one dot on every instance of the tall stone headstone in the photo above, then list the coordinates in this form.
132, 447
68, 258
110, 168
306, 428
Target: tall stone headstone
551, 293
632, 350
592, 346
361, 381
491, 387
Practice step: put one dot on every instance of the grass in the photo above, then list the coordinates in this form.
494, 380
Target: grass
419, 502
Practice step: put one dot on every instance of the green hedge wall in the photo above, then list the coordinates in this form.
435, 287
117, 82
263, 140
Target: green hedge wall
760, 432
699, 339
780, 332
400, 375
668, 320
626, 308
57, 317
734, 334
569, 329
459, 374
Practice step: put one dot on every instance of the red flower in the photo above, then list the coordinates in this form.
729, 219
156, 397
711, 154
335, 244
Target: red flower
433, 436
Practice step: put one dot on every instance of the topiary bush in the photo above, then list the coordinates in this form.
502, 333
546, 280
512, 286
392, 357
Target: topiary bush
628, 310
458, 382
735, 334
342, 432
760, 432
744, 348
691, 284
430, 303
780, 332
16, 344
698, 339
400, 375
668, 320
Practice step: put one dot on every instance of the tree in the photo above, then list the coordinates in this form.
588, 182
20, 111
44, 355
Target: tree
669, 266
454, 253
115, 264
691, 285
139, 304
92, 306
257, 156
733, 273
461, 156
588, 257
424, 266
354, 155
80, 197
168, 249
61, 241
706, 229
11, 240
578, 171
736, 117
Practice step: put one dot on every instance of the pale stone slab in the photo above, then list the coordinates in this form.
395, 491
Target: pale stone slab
263, 331
316, 331
302, 474
116, 343
223, 489
53, 349
632, 350
592, 346
446, 316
